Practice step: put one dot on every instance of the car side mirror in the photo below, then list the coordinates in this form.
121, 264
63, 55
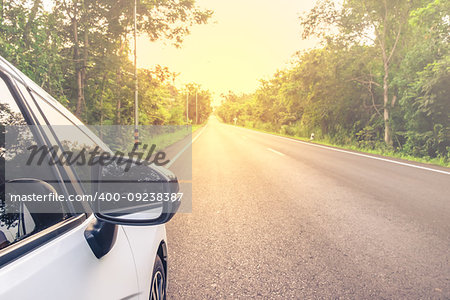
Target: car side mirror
131, 192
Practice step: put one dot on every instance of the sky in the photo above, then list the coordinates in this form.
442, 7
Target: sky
245, 41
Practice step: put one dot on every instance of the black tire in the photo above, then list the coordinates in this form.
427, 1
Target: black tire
159, 283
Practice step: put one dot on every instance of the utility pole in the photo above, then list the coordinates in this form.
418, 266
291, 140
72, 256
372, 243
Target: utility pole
196, 111
136, 115
187, 106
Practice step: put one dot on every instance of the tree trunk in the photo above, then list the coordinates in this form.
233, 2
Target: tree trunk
1, 12
31, 17
119, 82
387, 55
101, 98
78, 69
118, 111
119, 101
387, 125
83, 67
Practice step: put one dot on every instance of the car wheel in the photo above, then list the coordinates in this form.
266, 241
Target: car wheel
158, 287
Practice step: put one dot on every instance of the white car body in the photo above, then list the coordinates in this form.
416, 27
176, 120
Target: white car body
58, 262
66, 268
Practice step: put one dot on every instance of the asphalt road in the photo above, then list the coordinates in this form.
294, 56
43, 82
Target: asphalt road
278, 219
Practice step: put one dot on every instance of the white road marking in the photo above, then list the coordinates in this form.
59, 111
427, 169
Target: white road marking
353, 153
275, 151
184, 149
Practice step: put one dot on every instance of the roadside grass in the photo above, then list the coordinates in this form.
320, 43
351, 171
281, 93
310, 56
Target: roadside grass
160, 136
196, 127
164, 140
381, 152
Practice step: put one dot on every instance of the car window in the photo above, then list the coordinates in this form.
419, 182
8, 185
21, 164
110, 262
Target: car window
16, 226
57, 114
71, 137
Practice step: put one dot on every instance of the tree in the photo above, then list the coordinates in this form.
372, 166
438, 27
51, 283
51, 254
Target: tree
381, 23
203, 106
424, 81
381, 78
110, 22
29, 39
78, 50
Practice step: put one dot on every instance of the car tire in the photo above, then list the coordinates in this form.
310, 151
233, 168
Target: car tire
158, 286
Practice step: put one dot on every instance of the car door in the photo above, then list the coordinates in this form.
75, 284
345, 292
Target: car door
55, 261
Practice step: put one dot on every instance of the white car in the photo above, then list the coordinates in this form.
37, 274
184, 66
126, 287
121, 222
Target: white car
70, 255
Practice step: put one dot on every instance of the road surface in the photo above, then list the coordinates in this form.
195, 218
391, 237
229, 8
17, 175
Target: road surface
278, 219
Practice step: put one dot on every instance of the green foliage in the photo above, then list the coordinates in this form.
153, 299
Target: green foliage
78, 50
337, 92
199, 102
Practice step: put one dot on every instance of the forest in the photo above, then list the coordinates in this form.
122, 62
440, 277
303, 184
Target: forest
379, 81
79, 51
